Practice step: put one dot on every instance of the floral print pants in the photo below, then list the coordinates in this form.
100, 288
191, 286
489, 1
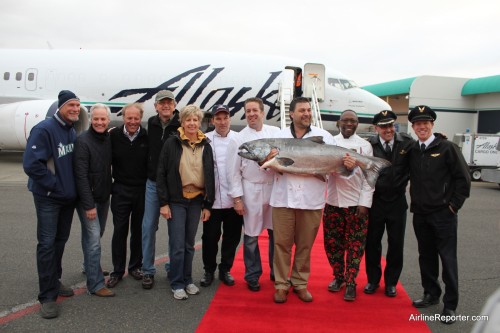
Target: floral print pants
345, 238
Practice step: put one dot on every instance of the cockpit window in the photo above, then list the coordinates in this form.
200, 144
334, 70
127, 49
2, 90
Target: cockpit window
334, 83
347, 84
342, 83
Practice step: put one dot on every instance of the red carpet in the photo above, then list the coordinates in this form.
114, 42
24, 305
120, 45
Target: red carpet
237, 309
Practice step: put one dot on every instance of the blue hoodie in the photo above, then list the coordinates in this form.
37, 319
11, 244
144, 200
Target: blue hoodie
48, 159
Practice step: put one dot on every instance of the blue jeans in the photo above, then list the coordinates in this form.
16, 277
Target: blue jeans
54, 219
251, 256
92, 231
149, 228
182, 229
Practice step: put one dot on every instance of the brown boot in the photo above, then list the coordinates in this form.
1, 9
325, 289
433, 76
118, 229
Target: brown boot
104, 292
280, 295
304, 295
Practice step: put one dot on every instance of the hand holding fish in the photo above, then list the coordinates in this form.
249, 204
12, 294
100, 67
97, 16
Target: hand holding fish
274, 152
349, 161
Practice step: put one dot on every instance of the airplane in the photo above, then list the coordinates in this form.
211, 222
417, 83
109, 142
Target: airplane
30, 81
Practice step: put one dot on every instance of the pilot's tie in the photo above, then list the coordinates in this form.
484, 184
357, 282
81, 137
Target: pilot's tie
387, 148
422, 147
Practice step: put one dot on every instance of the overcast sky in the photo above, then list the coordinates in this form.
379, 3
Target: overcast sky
371, 41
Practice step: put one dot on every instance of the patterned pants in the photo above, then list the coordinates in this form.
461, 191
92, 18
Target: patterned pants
345, 237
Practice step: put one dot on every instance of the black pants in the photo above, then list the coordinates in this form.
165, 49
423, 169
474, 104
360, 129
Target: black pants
231, 224
127, 206
390, 216
437, 238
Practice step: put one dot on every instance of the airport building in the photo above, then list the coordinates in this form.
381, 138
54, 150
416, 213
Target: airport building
461, 104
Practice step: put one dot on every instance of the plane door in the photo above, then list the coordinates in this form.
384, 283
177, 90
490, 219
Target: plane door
297, 80
30, 79
314, 75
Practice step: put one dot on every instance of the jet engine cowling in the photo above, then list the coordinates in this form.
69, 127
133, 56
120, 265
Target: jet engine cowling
17, 120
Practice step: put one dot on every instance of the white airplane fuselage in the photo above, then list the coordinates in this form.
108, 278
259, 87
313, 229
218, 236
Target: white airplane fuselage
32, 79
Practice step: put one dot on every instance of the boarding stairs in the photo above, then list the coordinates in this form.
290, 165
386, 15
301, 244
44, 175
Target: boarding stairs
313, 89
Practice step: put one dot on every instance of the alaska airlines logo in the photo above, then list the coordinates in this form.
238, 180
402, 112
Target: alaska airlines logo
203, 95
64, 150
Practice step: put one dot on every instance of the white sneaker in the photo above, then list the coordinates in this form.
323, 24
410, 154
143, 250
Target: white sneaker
192, 289
180, 294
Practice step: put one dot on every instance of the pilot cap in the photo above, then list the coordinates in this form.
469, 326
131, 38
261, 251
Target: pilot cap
162, 94
220, 108
65, 96
421, 113
385, 117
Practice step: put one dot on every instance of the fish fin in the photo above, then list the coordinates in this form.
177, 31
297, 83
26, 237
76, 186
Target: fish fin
316, 139
284, 161
320, 177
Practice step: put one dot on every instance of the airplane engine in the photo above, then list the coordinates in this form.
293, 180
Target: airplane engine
19, 118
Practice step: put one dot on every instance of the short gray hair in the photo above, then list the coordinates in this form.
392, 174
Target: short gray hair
100, 106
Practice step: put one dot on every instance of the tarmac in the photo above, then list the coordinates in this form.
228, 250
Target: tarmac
137, 310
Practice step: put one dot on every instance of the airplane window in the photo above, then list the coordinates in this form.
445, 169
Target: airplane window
347, 84
6, 76
31, 76
334, 82
19, 76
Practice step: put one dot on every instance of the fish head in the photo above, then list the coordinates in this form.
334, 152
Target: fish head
256, 150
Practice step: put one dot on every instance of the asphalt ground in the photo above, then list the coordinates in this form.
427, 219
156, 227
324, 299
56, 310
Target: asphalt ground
138, 310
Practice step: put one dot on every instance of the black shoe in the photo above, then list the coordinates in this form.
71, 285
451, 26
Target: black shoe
350, 293
253, 285
136, 274
226, 278
207, 279
148, 281
426, 301
336, 285
49, 310
390, 291
370, 288
113, 281
65, 291
448, 316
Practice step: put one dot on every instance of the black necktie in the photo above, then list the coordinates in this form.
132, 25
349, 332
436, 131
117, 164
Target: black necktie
387, 147
422, 147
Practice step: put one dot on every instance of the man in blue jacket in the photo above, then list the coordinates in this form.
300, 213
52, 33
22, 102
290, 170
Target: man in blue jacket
48, 161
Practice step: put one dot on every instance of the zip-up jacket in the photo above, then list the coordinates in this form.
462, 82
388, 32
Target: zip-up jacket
129, 158
392, 181
48, 159
157, 137
439, 177
92, 167
168, 180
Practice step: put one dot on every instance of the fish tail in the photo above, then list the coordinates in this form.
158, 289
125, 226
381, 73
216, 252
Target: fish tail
371, 170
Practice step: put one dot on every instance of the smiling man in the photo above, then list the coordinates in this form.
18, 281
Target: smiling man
388, 211
345, 217
129, 145
160, 127
250, 188
48, 161
440, 183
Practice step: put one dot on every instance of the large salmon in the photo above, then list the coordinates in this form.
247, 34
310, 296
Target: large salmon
310, 157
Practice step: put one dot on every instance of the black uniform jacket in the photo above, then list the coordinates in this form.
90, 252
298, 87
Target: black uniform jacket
392, 181
439, 177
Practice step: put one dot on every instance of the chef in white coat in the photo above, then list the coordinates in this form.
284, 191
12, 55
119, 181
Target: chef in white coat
250, 187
